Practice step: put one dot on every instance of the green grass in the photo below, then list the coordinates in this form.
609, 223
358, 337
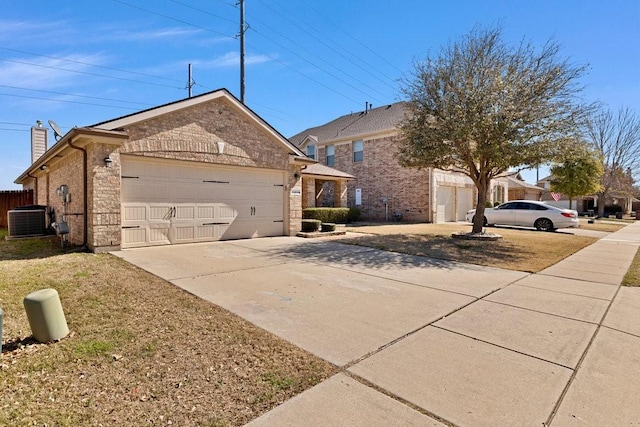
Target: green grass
632, 278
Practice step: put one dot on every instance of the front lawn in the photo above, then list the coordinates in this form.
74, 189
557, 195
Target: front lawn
632, 278
522, 250
141, 351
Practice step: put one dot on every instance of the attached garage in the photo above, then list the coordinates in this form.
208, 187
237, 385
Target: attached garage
200, 169
168, 202
452, 203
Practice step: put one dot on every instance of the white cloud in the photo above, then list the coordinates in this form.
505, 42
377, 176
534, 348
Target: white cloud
232, 59
46, 73
111, 34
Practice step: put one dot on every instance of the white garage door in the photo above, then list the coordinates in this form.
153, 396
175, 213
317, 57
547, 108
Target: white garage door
445, 200
168, 202
464, 203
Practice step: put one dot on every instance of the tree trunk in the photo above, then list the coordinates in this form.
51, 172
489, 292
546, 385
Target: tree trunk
478, 220
601, 204
570, 202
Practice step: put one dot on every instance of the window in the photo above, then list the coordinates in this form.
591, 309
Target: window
311, 151
331, 155
358, 150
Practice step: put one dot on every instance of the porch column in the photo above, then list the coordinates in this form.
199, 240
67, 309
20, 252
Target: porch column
308, 192
340, 193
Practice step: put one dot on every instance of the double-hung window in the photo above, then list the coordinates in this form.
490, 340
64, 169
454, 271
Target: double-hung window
331, 155
358, 150
311, 151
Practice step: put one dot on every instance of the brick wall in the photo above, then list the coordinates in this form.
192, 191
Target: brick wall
379, 175
193, 134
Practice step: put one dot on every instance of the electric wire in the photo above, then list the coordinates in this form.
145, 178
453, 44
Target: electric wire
67, 101
90, 64
353, 38
51, 67
345, 56
252, 46
77, 95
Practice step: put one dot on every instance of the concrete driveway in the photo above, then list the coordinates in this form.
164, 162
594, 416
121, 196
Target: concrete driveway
430, 342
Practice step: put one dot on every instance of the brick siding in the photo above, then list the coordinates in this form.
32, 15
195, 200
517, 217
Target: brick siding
380, 175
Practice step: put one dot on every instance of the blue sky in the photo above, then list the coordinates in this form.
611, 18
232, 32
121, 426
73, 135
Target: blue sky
308, 62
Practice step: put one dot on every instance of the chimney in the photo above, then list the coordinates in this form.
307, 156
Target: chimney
39, 140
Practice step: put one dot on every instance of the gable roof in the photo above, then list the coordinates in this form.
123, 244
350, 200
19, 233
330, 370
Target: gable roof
518, 183
381, 119
123, 121
320, 170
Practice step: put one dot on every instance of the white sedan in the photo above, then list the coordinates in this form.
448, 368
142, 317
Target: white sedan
528, 213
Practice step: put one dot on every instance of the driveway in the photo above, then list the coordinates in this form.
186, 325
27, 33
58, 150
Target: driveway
421, 341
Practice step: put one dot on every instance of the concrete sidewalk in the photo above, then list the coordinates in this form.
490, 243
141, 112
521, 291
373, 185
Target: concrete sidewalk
428, 342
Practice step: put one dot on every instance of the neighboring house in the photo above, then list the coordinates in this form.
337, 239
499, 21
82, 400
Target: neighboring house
521, 190
580, 204
199, 169
363, 145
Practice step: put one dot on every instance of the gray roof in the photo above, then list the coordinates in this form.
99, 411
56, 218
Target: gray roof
515, 182
385, 118
318, 169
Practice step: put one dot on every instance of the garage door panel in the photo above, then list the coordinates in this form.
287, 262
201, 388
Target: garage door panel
174, 202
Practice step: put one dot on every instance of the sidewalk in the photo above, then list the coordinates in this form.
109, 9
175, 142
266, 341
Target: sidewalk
561, 347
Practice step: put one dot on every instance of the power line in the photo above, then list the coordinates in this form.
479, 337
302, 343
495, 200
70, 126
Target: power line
77, 95
307, 50
346, 57
172, 18
67, 101
352, 37
265, 54
51, 67
90, 64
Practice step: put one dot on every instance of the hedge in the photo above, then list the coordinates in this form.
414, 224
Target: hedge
310, 225
332, 215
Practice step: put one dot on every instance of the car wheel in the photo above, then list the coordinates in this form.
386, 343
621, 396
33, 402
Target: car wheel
544, 224
484, 222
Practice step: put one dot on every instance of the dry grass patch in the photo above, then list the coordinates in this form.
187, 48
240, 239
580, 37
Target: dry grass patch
141, 351
608, 227
632, 278
521, 250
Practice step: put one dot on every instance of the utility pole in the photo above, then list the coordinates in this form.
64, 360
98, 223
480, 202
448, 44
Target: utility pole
190, 82
242, 31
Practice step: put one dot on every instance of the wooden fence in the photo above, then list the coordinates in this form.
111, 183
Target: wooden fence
12, 199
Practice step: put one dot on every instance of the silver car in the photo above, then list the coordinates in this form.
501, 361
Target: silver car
528, 213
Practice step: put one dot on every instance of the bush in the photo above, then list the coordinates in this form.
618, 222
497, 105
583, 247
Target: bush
310, 225
488, 204
332, 215
328, 226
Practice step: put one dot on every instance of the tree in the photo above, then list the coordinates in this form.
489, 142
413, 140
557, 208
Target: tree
617, 138
578, 175
482, 107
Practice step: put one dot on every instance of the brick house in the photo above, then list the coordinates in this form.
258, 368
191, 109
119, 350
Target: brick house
363, 144
199, 169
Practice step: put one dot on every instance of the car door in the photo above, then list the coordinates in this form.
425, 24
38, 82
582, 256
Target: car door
505, 214
526, 214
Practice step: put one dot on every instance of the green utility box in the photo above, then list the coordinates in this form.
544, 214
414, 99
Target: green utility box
45, 315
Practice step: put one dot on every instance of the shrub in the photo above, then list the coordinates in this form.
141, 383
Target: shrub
328, 226
489, 204
310, 225
332, 215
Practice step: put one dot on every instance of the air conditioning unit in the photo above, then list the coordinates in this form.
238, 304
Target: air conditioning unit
27, 222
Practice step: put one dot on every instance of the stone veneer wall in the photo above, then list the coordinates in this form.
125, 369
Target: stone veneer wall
379, 175
193, 134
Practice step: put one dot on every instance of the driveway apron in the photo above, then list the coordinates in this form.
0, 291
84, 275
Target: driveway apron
432, 342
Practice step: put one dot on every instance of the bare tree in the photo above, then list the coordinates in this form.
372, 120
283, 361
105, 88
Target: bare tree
481, 107
617, 137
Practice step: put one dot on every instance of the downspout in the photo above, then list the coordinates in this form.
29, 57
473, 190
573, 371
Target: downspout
35, 188
86, 196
